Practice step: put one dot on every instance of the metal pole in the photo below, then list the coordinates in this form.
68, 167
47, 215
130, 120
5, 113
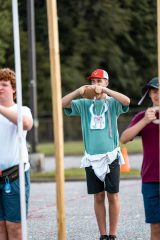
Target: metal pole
57, 114
32, 73
19, 102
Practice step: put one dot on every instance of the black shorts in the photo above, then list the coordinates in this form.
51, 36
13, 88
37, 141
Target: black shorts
111, 182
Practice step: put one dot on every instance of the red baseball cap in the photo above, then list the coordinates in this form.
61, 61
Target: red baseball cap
98, 73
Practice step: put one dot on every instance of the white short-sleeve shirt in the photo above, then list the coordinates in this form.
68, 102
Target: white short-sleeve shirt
9, 150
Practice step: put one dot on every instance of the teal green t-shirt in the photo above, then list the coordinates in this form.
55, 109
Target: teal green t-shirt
98, 141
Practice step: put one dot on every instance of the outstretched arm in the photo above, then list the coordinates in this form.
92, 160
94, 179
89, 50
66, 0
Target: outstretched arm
118, 96
13, 116
66, 100
133, 131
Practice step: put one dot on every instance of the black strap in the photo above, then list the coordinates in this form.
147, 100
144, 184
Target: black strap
9, 171
12, 173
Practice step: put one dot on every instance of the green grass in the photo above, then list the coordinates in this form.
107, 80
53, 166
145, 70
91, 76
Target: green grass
134, 146
131, 173
70, 148
76, 147
71, 173
74, 173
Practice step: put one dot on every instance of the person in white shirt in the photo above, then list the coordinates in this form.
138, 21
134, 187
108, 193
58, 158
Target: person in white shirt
10, 217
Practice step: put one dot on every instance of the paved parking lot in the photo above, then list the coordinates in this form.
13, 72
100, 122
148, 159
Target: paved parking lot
80, 218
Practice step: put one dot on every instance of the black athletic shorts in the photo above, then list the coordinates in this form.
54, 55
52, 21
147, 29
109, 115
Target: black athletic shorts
111, 182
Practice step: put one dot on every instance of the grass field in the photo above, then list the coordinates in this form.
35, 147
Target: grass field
76, 147
76, 174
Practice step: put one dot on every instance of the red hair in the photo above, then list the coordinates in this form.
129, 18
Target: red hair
6, 74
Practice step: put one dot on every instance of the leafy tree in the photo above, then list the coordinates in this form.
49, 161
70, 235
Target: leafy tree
119, 36
5, 29
42, 55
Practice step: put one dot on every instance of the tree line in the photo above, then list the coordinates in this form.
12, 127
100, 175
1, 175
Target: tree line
119, 36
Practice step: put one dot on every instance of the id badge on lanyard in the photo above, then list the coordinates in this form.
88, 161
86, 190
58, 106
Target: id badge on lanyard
98, 121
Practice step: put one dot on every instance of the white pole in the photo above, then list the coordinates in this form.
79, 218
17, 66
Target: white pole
19, 102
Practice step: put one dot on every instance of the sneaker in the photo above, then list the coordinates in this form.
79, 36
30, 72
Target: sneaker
112, 237
104, 237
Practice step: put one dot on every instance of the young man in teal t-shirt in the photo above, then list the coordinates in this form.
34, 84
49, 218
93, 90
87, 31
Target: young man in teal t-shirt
101, 142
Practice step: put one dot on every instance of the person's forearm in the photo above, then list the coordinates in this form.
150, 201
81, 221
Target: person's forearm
66, 100
12, 116
118, 96
130, 133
